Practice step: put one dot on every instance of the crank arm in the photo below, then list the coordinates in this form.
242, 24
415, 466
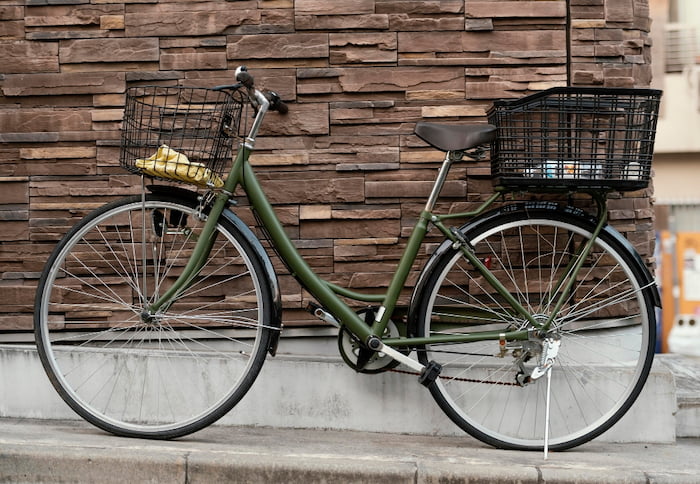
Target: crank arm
400, 357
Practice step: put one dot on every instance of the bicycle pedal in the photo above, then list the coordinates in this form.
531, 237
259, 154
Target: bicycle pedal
430, 373
364, 355
322, 314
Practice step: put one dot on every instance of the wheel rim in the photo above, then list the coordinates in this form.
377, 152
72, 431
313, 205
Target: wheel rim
128, 373
603, 359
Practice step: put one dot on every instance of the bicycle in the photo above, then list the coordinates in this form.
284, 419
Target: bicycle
532, 324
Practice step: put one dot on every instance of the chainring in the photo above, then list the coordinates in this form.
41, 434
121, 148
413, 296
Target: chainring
360, 358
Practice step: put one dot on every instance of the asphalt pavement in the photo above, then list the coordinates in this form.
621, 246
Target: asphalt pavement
37, 451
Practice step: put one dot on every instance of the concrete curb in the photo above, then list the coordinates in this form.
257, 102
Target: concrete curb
70, 451
40, 463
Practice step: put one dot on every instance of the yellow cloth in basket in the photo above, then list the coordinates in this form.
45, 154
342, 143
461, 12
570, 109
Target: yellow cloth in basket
168, 163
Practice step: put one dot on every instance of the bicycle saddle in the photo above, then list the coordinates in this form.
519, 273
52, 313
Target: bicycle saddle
448, 137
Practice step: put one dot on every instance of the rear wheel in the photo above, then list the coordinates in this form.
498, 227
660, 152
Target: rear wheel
605, 326
162, 375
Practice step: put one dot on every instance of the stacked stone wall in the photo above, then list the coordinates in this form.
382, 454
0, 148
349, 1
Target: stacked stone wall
343, 167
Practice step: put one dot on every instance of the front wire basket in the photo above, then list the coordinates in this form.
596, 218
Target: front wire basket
180, 134
566, 138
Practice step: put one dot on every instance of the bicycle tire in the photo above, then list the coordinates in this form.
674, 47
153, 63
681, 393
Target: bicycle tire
607, 330
160, 377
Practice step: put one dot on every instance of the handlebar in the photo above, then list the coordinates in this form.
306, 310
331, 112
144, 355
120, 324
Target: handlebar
262, 102
247, 81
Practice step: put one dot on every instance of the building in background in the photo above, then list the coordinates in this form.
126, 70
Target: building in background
676, 36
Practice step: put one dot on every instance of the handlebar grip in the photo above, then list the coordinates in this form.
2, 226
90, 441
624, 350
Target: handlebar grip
276, 104
282, 108
227, 87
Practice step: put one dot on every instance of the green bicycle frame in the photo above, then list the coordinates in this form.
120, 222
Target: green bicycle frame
329, 295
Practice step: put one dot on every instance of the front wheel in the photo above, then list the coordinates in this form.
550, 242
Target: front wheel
605, 325
159, 375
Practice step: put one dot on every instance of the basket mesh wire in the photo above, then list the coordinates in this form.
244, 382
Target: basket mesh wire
180, 134
575, 137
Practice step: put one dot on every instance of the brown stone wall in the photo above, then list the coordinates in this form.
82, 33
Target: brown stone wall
343, 167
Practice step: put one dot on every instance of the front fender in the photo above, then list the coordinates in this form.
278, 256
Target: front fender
259, 252
582, 219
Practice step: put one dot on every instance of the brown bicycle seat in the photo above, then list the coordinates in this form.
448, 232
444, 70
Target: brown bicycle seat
449, 137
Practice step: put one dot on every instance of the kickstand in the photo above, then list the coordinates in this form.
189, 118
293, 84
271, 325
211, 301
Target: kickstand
546, 413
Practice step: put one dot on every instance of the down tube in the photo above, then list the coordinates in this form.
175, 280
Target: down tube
300, 269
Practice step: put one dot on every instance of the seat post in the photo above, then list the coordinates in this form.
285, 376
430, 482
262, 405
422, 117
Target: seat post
450, 157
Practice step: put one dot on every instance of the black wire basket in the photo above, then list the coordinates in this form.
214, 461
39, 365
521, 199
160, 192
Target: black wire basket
180, 134
575, 138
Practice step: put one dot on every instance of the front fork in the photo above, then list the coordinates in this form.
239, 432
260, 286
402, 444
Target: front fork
206, 238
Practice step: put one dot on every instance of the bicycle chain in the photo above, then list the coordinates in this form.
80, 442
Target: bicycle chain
454, 378
468, 380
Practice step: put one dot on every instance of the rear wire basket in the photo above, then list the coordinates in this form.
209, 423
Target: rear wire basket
180, 134
564, 138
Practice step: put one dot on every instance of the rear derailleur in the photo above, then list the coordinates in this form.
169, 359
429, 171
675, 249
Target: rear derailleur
545, 349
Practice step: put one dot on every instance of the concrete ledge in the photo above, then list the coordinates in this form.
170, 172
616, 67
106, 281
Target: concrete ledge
686, 372
323, 393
